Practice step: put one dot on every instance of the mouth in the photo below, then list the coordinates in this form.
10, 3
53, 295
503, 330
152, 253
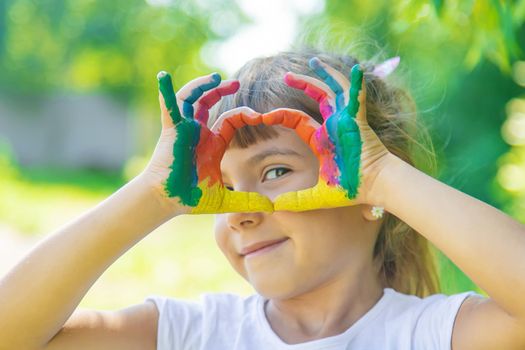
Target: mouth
264, 248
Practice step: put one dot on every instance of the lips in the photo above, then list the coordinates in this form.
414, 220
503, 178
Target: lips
259, 245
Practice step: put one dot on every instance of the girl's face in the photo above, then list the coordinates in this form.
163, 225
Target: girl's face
320, 246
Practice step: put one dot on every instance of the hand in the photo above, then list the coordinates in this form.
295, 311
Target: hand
351, 155
185, 166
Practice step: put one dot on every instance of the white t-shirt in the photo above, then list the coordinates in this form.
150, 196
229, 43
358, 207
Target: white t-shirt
232, 322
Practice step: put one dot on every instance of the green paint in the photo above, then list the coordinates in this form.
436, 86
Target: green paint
166, 88
356, 82
182, 180
350, 138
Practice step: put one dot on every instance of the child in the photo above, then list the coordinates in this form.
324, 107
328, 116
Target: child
341, 275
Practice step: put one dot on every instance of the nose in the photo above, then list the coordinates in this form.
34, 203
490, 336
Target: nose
240, 221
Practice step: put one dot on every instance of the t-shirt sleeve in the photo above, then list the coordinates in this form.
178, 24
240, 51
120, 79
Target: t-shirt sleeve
179, 324
433, 330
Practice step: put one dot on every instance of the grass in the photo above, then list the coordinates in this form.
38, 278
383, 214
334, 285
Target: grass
179, 259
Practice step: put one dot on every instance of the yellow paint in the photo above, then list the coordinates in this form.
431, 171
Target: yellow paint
218, 199
320, 196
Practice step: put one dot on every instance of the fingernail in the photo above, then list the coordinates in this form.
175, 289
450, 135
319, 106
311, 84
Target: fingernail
216, 76
314, 62
161, 74
356, 73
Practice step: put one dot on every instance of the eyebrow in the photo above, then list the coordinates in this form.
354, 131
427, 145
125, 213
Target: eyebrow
259, 157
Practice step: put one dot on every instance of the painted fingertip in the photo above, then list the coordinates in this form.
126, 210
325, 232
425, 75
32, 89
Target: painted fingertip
215, 77
356, 73
291, 80
164, 79
314, 62
287, 77
235, 84
356, 68
161, 74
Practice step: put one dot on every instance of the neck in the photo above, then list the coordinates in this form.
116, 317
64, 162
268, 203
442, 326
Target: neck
328, 310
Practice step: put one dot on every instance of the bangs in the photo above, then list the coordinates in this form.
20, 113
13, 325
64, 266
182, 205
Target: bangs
251, 134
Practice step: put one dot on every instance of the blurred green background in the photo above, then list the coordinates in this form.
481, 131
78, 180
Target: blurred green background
79, 114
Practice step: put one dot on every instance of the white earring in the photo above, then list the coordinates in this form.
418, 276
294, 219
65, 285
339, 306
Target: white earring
377, 212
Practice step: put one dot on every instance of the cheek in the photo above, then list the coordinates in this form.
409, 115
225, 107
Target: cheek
223, 238
221, 232
319, 230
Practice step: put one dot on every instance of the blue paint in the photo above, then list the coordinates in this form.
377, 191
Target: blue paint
187, 104
315, 64
344, 133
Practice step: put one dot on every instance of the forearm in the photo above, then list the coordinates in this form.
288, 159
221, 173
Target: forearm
40, 293
485, 243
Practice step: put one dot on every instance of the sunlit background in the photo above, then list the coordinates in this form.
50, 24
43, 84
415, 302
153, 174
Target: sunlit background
79, 114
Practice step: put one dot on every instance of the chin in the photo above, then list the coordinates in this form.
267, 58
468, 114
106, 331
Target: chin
274, 288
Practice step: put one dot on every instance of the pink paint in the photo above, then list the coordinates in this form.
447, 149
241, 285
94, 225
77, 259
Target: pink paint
328, 170
325, 109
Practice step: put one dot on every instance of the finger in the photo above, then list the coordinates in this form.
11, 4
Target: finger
168, 102
204, 104
355, 89
333, 78
165, 118
321, 195
361, 113
314, 88
193, 90
220, 200
233, 119
236, 201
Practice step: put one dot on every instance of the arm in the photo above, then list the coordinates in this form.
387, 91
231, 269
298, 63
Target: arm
132, 328
482, 241
41, 292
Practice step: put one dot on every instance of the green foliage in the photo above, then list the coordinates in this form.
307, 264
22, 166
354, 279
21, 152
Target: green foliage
459, 54
180, 258
34, 201
112, 46
457, 57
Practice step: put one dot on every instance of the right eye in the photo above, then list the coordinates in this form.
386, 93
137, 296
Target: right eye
229, 187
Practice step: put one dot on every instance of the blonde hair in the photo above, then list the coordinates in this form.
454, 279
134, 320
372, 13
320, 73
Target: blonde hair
406, 258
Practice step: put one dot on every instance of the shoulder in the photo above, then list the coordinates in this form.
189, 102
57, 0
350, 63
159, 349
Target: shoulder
427, 321
189, 324
129, 328
482, 324
400, 302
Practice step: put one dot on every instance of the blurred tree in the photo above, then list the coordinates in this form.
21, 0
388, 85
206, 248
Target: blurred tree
111, 46
459, 57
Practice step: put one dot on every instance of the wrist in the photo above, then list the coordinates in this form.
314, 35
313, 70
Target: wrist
155, 196
388, 169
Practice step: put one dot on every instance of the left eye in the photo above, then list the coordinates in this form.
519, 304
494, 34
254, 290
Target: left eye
275, 173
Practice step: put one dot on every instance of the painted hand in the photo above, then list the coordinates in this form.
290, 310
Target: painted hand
185, 165
349, 151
